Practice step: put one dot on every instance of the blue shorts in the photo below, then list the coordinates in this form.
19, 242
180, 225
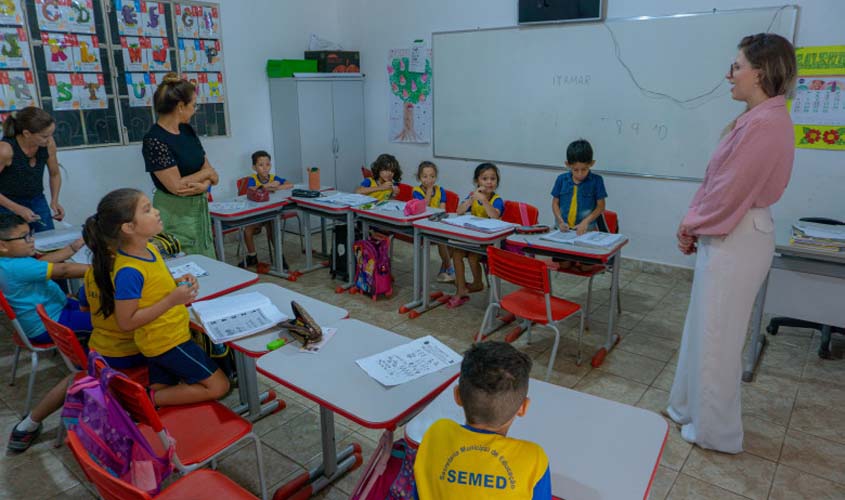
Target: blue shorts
39, 205
186, 362
71, 317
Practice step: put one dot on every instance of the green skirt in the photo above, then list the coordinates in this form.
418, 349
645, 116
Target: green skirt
186, 217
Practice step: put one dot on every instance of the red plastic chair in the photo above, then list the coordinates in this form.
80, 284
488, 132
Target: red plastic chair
406, 192
366, 173
533, 301
452, 201
200, 484
22, 342
202, 431
517, 212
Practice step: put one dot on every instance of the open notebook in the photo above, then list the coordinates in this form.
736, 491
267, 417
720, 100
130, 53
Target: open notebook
482, 224
593, 239
234, 316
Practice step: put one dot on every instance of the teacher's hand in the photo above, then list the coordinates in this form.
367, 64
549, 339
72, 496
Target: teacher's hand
27, 214
58, 211
686, 240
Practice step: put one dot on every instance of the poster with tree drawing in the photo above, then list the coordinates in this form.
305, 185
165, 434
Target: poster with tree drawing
410, 103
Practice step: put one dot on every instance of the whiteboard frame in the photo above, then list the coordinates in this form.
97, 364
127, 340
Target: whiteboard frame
527, 26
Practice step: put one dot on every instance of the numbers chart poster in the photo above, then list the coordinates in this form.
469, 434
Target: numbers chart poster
410, 98
818, 104
11, 12
86, 54
52, 14
80, 16
58, 51
187, 20
90, 90
18, 90
14, 48
153, 19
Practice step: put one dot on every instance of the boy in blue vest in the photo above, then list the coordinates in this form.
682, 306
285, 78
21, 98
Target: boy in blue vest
478, 460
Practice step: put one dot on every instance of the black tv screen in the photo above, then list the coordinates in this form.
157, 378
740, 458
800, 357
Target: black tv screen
559, 11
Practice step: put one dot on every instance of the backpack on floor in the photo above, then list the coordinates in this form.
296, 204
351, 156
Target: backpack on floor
372, 267
108, 433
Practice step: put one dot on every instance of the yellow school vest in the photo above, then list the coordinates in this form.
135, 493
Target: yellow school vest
436, 198
379, 195
171, 328
478, 209
106, 338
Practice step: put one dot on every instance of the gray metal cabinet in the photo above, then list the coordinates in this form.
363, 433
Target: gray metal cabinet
319, 122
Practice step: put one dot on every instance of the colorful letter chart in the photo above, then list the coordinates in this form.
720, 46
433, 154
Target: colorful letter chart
86, 53
61, 91
209, 22
52, 14
189, 54
213, 87
153, 19
58, 50
158, 54
187, 22
139, 86
90, 90
134, 55
128, 14
11, 12
80, 16
211, 55
14, 48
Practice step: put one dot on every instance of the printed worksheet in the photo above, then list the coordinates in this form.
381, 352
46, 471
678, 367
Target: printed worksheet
409, 361
187, 268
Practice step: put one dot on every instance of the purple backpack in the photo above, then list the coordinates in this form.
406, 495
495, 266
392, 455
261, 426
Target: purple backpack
372, 267
108, 433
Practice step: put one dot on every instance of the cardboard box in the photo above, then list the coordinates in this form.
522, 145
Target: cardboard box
335, 61
285, 68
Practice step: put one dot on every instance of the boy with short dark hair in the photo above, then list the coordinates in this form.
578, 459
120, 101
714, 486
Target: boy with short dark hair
578, 197
478, 460
27, 282
262, 178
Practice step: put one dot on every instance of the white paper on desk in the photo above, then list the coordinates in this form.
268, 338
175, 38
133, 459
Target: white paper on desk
409, 361
821, 231
315, 347
234, 316
482, 224
560, 236
391, 206
225, 206
55, 241
187, 268
348, 199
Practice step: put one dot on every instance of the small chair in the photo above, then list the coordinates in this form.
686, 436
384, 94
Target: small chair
202, 431
517, 212
202, 483
22, 342
243, 185
452, 201
533, 301
366, 173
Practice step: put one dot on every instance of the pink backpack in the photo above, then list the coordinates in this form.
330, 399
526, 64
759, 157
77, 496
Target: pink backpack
372, 267
108, 433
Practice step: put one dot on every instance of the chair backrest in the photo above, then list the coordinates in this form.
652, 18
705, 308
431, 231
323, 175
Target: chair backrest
110, 487
65, 340
520, 270
452, 201
18, 335
366, 172
406, 192
135, 400
611, 222
517, 212
242, 185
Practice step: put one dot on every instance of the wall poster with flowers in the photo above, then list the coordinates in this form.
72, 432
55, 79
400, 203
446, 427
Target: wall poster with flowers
818, 103
410, 98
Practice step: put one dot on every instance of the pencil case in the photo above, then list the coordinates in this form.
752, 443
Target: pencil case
306, 193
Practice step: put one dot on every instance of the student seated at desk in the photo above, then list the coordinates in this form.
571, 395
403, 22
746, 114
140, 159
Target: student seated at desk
264, 179
478, 460
434, 196
383, 185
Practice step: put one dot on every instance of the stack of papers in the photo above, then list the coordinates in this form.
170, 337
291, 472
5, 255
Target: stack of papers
409, 361
593, 239
347, 199
820, 237
226, 206
479, 223
234, 316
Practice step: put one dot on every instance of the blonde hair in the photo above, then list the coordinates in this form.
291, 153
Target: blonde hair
171, 91
774, 57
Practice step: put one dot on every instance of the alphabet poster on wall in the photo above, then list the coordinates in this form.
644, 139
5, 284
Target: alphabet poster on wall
128, 14
818, 103
153, 19
213, 87
61, 91
158, 55
134, 55
18, 89
14, 48
211, 55
58, 51
187, 22
90, 90
410, 103
209, 22
86, 54
189, 54
52, 15
80, 17
139, 87
11, 13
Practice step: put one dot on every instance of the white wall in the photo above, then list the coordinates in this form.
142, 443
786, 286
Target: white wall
253, 31
650, 209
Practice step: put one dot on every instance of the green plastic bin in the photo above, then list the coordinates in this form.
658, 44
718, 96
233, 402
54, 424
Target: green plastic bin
285, 68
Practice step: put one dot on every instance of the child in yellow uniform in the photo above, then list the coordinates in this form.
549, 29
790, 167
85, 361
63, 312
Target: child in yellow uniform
136, 287
264, 179
434, 196
383, 185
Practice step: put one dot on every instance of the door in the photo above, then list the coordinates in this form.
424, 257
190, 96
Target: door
348, 111
316, 129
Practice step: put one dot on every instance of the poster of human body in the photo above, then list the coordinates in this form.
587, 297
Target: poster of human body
410, 103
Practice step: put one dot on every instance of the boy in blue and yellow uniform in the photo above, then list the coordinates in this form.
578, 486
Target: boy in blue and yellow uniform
262, 178
478, 460
578, 197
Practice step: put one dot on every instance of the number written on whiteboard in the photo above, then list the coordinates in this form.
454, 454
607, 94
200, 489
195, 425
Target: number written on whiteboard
658, 130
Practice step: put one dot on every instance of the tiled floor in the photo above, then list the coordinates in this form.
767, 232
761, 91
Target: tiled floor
793, 413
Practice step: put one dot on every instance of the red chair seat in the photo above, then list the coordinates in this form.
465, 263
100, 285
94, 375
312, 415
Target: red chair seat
140, 374
183, 421
203, 484
531, 305
597, 269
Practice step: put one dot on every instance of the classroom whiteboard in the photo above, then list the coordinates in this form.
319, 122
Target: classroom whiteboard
521, 95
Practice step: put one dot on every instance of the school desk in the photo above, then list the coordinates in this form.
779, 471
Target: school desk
221, 279
230, 217
341, 213
533, 244
332, 379
54, 239
801, 284
464, 238
598, 449
397, 222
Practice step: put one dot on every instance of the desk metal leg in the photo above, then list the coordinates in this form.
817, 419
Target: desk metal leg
251, 405
612, 337
335, 464
323, 235
278, 268
305, 217
419, 258
755, 346
425, 288
218, 239
350, 257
